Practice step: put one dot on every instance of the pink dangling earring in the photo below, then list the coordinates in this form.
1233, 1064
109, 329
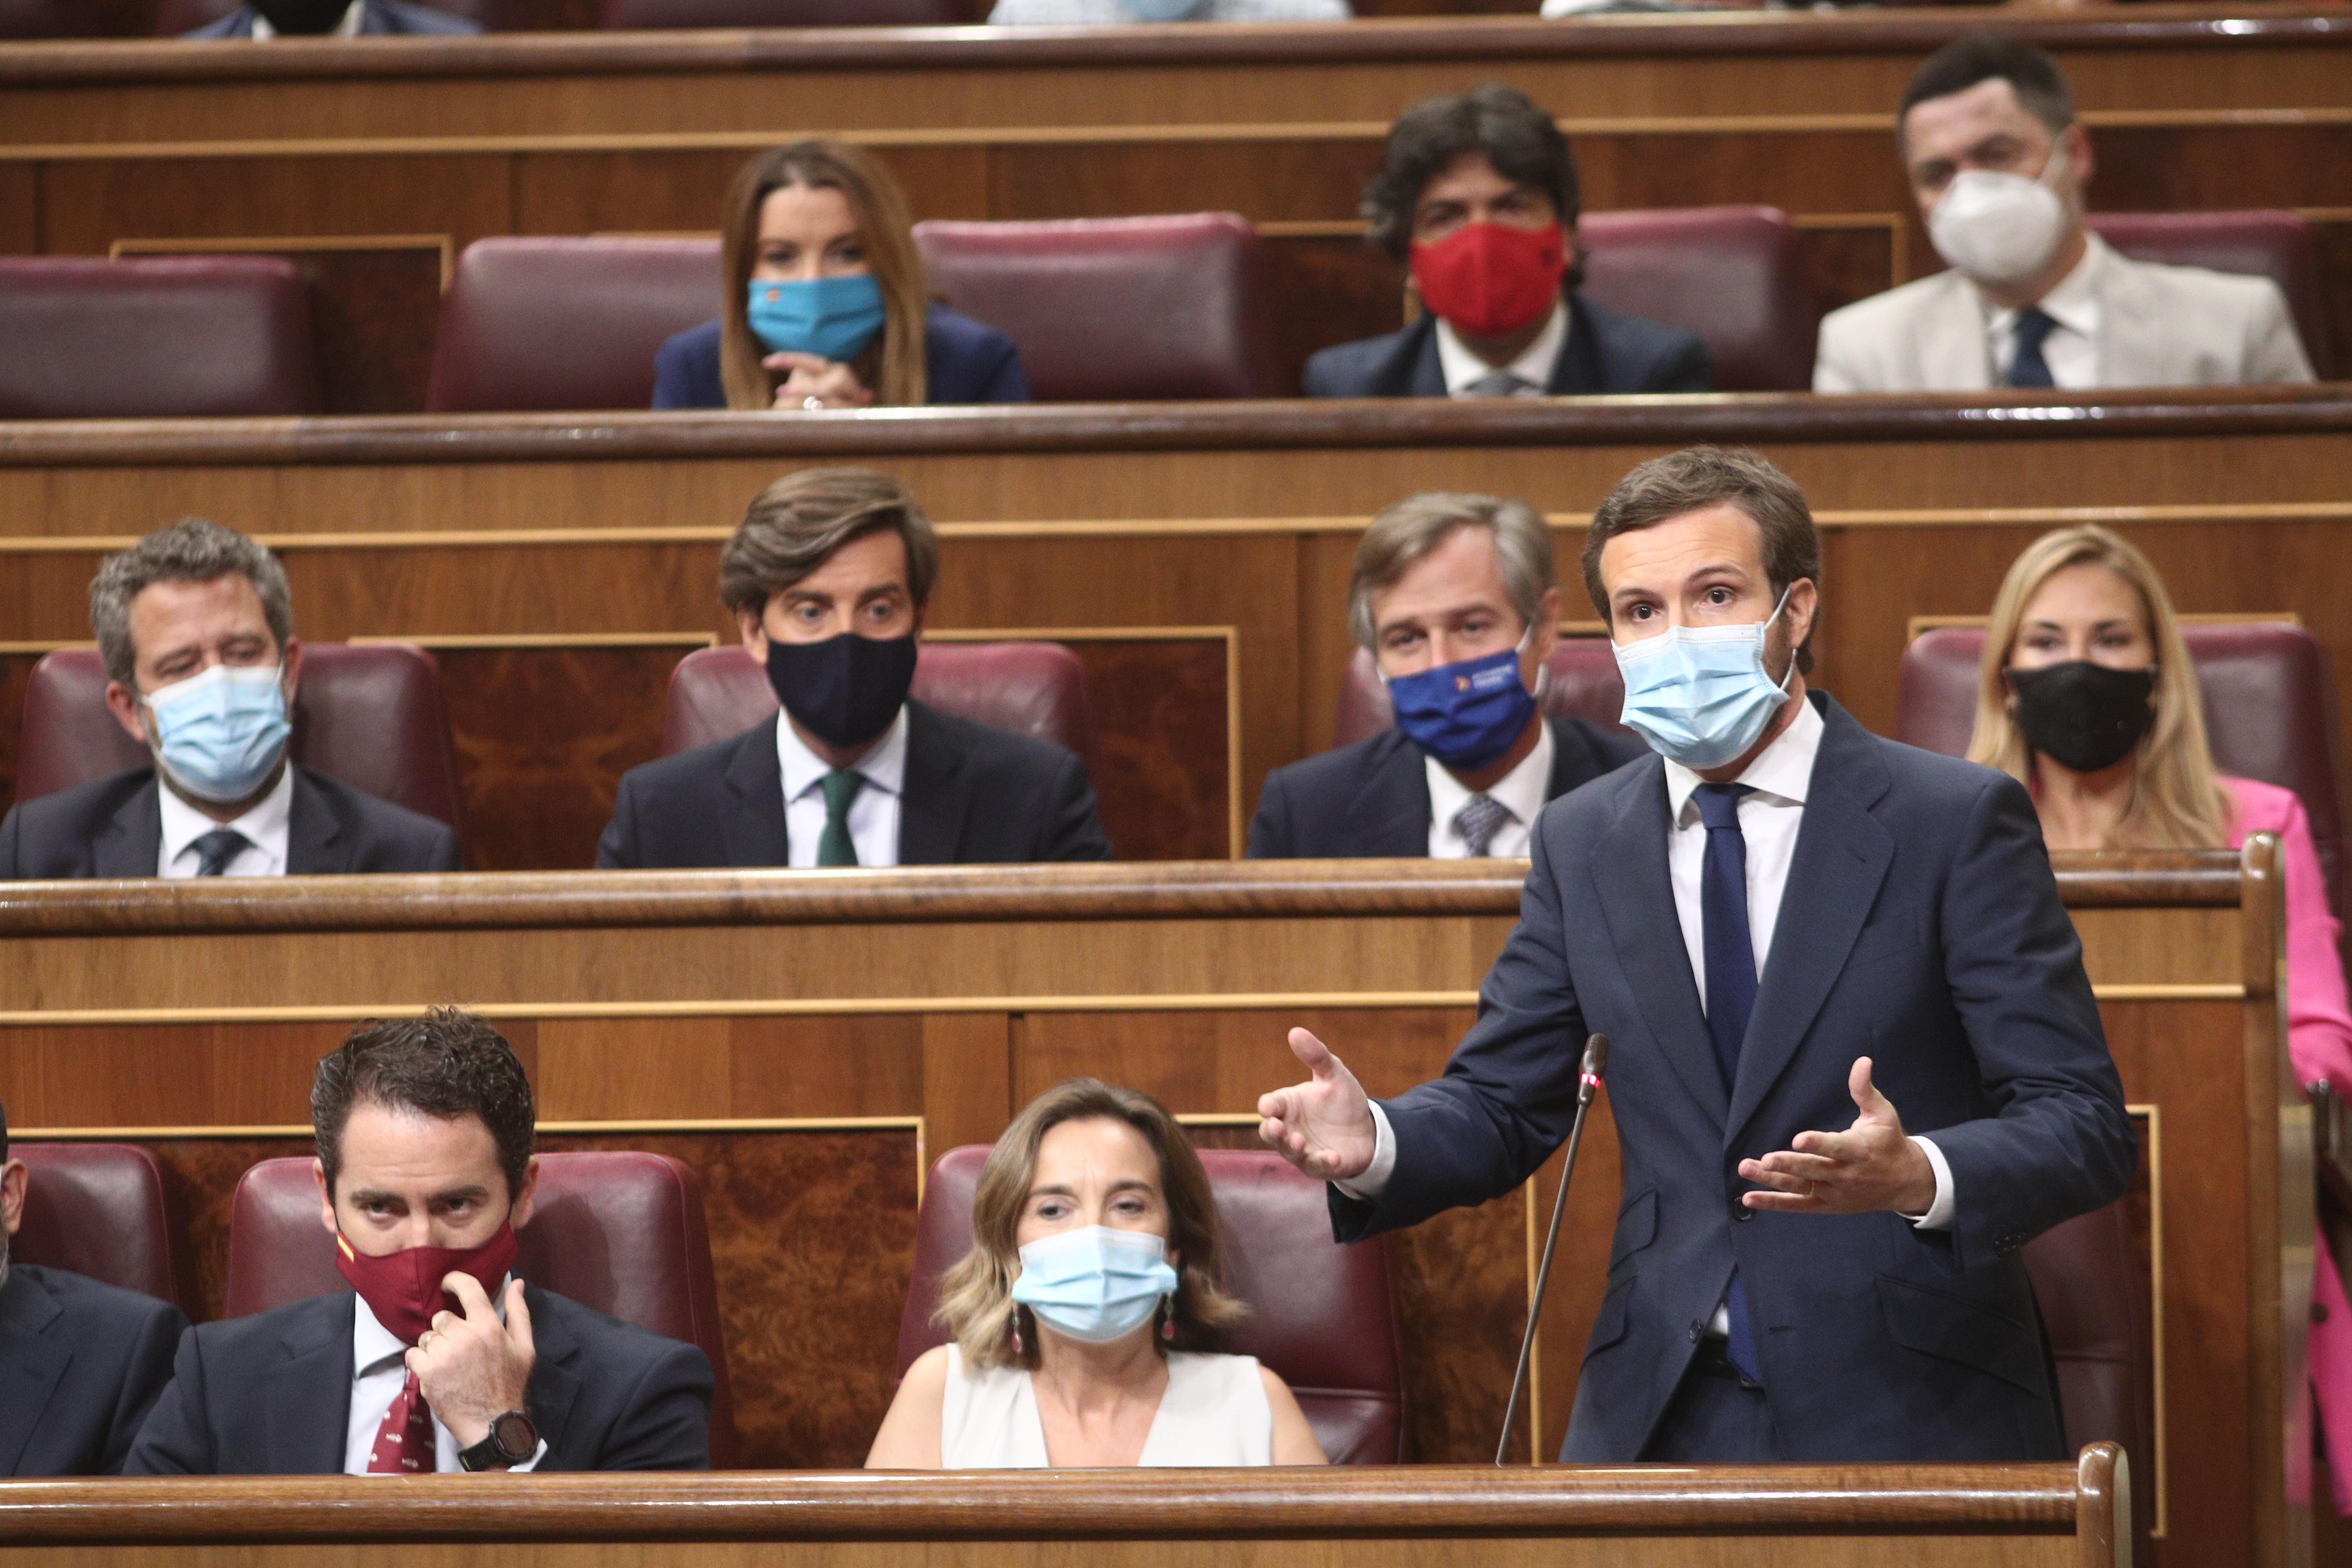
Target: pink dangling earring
1167, 1318
1016, 1332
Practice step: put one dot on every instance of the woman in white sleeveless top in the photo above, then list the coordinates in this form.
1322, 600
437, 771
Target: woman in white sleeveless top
1093, 1275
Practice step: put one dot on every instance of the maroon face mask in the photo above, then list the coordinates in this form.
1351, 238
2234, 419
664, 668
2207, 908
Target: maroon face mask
404, 1289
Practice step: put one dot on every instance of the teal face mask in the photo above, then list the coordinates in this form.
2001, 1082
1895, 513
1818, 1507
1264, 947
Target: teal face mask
831, 318
1699, 694
1095, 1284
1162, 10
219, 735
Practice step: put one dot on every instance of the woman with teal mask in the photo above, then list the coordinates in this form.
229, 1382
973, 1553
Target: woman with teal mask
826, 305
1091, 1282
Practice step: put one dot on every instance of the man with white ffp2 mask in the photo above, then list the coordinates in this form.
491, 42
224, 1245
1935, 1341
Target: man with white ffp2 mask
1999, 165
195, 623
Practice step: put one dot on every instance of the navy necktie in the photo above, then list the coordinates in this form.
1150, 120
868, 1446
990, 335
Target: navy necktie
2026, 365
216, 849
1730, 987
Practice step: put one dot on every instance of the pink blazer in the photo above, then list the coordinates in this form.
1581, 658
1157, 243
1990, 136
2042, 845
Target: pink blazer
2319, 1040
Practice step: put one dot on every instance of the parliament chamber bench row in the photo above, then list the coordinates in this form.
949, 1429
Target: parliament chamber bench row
1107, 309
1193, 559
371, 170
917, 1010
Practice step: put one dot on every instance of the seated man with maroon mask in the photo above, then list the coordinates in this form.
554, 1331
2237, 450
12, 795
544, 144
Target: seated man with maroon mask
1477, 196
439, 1358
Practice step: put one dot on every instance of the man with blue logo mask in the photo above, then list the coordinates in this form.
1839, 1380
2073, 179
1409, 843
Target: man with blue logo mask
195, 623
1856, 1062
1454, 597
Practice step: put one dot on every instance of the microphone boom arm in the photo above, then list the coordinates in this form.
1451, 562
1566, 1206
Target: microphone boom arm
1596, 1063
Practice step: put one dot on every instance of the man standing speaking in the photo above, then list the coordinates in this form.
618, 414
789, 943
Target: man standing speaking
1855, 1063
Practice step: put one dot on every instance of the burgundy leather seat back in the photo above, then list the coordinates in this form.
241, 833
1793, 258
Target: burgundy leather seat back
2278, 246
97, 1209
1035, 689
48, 19
370, 715
1583, 684
154, 338
625, 14
1735, 275
620, 1231
562, 325
2270, 711
1117, 308
2085, 1279
1323, 1315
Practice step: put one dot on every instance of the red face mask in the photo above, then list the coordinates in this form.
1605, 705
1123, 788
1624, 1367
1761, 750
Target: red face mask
1489, 279
404, 1289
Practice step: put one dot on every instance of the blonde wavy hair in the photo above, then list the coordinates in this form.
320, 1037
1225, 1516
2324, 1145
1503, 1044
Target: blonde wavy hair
893, 365
976, 1302
2178, 801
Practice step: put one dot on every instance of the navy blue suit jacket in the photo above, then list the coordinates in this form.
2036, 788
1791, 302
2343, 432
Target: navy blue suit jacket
1371, 799
974, 795
963, 362
1605, 352
1932, 941
80, 1366
271, 1395
379, 18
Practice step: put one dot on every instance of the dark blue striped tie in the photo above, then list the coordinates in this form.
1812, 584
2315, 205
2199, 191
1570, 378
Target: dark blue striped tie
1731, 988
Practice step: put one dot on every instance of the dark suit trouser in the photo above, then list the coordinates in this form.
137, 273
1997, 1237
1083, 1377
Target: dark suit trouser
1714, 1418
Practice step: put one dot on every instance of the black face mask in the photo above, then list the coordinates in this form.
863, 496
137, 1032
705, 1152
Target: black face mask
312, 16
845, 690
2083, 716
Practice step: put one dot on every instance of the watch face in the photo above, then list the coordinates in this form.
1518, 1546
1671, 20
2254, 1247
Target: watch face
515, 1436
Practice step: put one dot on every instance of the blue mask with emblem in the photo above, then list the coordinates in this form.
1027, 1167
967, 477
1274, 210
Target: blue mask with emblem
1465, 714
831, 318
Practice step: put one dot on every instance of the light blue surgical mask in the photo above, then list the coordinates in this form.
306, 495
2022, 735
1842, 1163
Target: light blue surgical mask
1162, 10
219, 735
1699, 694
831, 318
1095, 1284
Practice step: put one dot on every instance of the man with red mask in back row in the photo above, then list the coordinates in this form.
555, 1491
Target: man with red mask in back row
1477, 196
439, 1358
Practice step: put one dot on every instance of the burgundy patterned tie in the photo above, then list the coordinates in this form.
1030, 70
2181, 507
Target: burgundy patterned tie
404, 1444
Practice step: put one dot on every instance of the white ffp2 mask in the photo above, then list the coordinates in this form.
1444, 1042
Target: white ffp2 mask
1999, 228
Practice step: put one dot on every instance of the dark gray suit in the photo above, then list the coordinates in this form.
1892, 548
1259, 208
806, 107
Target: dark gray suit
271, 1395
1371, 799
113, 827
379, 18
1605, 352
973, 796
80, 1366
1932, 941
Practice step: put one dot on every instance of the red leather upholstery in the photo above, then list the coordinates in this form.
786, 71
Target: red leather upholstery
1323, 1316
783, 14
48, 19
617, 1230
1583, 684
2270, 711
1733, 275
2274, 245
154, 338
2084, 1279
370, 715
177, 17
97, 1209
1036, 688
565, 323
1116, 309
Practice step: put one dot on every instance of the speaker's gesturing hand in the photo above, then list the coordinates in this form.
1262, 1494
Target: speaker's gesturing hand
1869, 1166
1323, 1126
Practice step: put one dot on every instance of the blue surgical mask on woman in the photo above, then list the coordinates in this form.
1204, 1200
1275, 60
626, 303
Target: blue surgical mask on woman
1095, 1284
1467, 713
1699, 694
219, 735
831, 318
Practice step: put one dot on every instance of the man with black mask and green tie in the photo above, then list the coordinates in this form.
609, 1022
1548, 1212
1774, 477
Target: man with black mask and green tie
828, 577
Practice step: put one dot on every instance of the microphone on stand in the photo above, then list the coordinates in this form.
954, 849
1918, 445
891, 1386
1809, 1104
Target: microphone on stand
1596, 1063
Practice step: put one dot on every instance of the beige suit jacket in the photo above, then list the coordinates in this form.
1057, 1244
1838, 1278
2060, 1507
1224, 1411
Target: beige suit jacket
2158, 326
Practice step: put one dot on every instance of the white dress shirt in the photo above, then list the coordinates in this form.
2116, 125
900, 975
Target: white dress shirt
1519, 792
1769, 820
873, 812
348, 28
267, 828
1534, 366
2072, 349
379, 1368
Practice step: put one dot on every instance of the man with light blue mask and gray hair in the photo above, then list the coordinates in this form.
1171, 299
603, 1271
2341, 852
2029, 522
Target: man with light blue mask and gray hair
1855, 1064
195, 623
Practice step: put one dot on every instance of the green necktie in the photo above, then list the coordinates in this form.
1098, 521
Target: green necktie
836, 847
